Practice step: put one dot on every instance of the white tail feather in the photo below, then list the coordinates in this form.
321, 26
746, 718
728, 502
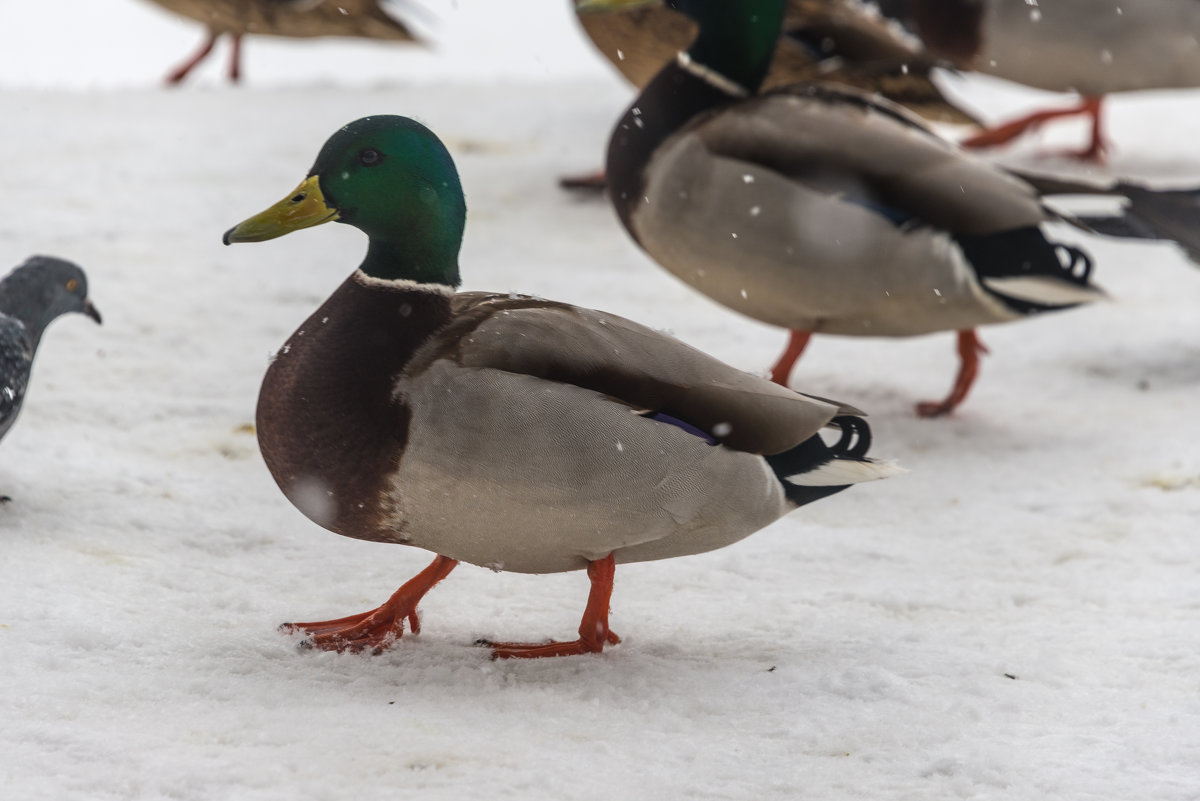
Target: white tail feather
1045, 290
837, 472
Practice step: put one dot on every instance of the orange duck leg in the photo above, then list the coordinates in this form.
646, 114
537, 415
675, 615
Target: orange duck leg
235, 59
1002, 134
179, 73
969, 351
782, 371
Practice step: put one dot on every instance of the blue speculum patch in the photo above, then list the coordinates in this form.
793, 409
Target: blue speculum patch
688, 427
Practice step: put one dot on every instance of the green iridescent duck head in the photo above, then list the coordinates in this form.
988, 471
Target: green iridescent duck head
390, 177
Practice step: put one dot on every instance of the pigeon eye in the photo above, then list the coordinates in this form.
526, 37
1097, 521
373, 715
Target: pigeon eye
369, 157
72, 285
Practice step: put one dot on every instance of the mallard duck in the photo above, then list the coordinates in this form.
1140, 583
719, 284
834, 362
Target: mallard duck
32, 296
835, 41
829, 41
509, 431
294, 18
1082, 46
823, 210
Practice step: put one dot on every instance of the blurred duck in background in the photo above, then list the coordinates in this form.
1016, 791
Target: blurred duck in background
835, 41
824, 210
294, 18
1091, 47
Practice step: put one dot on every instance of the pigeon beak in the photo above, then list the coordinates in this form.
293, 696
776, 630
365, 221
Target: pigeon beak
303, 208
92, 312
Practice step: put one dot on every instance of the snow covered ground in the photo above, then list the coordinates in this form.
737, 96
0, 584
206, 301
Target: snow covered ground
1017, 617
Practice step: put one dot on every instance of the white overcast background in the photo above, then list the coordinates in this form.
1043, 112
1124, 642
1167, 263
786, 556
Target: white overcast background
1016, 617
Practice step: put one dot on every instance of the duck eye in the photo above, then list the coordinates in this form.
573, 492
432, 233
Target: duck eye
72, 284
369, 157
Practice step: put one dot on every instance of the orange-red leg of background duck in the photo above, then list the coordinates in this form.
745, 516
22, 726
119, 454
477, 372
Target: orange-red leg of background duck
782, 370
589, 181
969, 351
593, 629
181, 72
1011, 130
377, 628
235, 58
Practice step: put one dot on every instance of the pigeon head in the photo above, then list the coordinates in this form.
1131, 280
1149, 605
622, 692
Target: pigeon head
42, 289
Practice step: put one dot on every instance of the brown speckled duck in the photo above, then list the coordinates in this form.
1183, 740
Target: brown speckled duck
507, 431
293, 18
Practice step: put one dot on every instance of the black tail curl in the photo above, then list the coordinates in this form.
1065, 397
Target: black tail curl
853, 444
855, 440
1024, 252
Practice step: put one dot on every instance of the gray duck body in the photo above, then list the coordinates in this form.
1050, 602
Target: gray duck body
1092, 47
509, 431
820, 209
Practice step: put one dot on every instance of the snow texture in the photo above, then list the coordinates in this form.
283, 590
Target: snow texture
1016, 617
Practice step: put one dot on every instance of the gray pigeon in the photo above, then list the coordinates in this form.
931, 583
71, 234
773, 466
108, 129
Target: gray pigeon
31, 296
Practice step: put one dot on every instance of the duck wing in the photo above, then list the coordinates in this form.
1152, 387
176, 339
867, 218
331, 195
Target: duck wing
642, 368
872, 153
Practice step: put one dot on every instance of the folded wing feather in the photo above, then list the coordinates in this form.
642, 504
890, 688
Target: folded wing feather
633, 364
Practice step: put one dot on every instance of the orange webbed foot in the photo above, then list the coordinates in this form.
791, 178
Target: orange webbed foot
528, 650
374, 630
379, 628
1094, 153
594, 633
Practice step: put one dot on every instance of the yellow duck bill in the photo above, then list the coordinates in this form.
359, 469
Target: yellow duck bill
303, 208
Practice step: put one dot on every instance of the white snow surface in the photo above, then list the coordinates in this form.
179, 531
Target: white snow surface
1016, 617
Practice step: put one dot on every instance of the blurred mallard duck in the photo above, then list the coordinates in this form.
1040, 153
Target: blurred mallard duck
292, 18
824, 210
830, 41
1083, 46
835, 41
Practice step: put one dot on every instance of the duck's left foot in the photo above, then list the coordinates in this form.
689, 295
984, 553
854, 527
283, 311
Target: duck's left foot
526, 650
969, 351
1096, 152
235, 59
594, 633
588, 182
379, 628
179, 73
